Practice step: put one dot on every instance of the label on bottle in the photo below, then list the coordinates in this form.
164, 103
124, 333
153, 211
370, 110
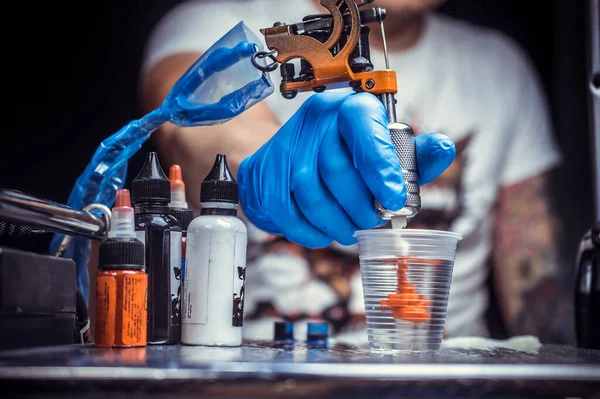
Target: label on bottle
175, 264
185, 303
106, 310
195, 286
185, 296
182, 285
239, 279
135, 324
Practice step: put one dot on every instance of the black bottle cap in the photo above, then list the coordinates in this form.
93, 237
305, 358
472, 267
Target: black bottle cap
121, 254
151, 184
184, 216
284, 332
219, 185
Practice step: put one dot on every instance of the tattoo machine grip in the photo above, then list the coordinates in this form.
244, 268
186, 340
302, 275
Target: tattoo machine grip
403, 139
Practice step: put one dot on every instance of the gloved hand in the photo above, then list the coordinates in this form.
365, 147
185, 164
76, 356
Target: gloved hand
315, 180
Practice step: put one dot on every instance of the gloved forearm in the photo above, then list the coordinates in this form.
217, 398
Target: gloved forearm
316, 179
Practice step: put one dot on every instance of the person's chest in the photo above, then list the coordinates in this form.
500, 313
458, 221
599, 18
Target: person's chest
441, 93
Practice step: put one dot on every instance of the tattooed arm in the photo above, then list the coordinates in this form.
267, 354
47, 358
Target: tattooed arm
529, 265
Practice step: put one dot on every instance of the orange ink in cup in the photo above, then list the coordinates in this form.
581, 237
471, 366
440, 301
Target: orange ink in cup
406, 304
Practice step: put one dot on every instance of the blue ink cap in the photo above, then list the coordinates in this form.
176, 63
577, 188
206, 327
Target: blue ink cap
317, 334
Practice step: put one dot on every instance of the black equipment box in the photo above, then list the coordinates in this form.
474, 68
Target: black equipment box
37, 299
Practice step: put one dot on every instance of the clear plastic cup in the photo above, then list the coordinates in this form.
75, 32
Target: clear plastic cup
406, 277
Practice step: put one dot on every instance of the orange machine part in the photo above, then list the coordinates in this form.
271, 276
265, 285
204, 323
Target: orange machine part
330, 71
121, 308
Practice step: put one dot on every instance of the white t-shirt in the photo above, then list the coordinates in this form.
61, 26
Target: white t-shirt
470, 83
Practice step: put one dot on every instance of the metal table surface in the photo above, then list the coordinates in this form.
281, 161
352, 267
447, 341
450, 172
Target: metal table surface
256, 370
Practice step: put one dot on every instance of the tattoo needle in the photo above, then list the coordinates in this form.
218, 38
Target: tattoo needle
385, 49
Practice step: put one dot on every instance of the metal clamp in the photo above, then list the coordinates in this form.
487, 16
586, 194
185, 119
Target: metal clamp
107, 215
21, 208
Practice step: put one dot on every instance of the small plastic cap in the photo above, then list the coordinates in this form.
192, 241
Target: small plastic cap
123, 253
178, 199
284, 331
151, 184
123, 199
219, 185
122, 219
321, 329
317, 333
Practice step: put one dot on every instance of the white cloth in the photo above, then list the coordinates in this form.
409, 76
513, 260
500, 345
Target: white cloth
524, 343
470, 83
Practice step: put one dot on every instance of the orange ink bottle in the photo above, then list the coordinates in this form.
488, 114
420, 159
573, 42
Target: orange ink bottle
121, 283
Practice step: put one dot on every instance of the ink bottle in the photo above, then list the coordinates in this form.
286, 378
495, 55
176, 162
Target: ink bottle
213, 289
178, 208
121, 283
161, 234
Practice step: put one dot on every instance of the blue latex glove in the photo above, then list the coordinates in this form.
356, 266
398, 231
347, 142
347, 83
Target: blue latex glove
315, 180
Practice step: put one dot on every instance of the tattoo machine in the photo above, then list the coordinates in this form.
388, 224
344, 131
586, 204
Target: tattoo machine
334, 53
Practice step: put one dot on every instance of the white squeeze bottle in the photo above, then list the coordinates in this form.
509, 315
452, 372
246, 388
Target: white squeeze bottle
213, 295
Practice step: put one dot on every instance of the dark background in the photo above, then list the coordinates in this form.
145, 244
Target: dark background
71, 79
